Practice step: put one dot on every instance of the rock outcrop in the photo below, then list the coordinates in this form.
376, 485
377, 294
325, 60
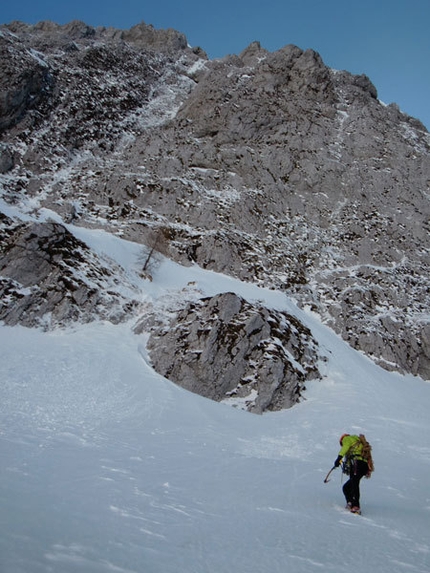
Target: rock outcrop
49, 278
229, 350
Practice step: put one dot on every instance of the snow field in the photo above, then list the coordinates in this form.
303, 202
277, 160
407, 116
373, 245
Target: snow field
107, 466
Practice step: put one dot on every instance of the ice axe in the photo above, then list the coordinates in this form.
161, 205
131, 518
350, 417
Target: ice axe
326, 480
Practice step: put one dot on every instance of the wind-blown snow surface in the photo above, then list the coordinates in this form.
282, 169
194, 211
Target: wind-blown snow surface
107, 466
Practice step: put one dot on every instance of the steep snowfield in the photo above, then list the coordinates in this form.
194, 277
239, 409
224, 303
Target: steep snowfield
106, 466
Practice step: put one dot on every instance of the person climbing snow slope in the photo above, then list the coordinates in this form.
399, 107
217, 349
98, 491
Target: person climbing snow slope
357, 464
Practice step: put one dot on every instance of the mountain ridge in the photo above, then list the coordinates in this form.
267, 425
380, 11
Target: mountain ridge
269, 167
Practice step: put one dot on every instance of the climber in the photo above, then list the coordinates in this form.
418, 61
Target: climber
357, 464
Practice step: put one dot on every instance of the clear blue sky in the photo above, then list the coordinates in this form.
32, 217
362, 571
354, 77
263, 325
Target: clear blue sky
389, 40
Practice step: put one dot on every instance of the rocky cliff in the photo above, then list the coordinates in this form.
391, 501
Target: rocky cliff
270, 167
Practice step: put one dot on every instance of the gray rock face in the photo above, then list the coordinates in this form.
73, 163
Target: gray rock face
49, 278
25, 82
293, 175
227, 349
269, 167
6, 159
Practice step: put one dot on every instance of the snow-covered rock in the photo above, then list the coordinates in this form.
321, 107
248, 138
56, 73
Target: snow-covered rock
50, 278
227, 349
269, 167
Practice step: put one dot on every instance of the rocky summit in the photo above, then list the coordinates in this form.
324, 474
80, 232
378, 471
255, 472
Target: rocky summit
266, 166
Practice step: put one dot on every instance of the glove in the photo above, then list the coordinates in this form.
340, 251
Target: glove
338, 461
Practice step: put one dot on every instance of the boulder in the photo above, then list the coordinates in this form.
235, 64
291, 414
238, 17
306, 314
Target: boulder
226, 349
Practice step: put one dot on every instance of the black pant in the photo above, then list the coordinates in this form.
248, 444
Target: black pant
351, 490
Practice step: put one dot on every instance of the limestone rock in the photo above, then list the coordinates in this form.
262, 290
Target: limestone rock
270, 167
25, 82
227, 349
6, 159
50, 278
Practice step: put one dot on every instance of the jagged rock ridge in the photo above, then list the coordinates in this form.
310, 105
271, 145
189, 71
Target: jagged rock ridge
270, 167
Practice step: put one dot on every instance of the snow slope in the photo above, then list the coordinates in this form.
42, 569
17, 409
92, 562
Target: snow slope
107, 466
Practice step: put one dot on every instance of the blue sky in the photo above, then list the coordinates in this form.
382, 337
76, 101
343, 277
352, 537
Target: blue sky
389, 40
